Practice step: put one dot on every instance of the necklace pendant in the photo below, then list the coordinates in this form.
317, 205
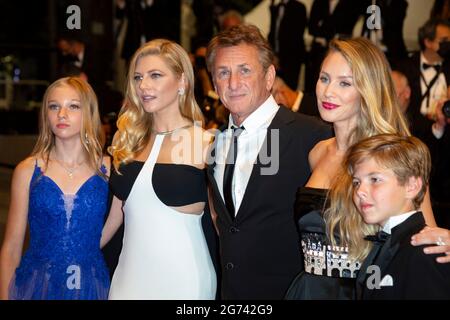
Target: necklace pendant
165, 133
70, 175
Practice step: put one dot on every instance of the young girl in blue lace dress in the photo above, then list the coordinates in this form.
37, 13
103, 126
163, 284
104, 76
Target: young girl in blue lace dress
61, 191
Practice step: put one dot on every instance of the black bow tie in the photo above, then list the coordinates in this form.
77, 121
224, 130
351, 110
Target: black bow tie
380, 236
437, 67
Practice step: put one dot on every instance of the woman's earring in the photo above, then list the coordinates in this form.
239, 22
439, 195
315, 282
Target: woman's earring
181, 91
86, 139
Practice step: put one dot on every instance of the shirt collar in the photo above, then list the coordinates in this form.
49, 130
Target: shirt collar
258, 118
396, 220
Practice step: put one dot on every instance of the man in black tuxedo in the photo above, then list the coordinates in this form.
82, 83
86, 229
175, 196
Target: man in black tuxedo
148, 20
329, 19
259, 161
78, 57
72, 52
287, 26
390, 36
427, 71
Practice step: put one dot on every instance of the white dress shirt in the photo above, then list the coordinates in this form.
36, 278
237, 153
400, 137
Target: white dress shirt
396, 220
80, 57
250, 142
438, 90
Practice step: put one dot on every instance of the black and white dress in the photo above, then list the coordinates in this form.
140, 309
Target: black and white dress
164, 253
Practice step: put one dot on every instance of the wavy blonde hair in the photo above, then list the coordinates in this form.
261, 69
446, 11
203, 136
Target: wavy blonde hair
134, 123
379, 113
91, 133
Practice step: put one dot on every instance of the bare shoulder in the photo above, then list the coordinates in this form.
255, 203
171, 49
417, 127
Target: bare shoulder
24, 170
27, 165
319, 151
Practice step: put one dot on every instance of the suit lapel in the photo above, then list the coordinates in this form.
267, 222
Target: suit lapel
387, 253
362, 274
400, 234
380, 257
281, 119
415, 79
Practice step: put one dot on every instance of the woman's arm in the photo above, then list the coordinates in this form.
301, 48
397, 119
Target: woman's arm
113, 222
212, 211
427, 210
207, 143
16, 225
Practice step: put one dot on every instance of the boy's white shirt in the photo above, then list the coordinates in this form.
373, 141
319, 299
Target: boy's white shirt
396, 220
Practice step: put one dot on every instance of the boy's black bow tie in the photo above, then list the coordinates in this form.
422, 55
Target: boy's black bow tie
380, 236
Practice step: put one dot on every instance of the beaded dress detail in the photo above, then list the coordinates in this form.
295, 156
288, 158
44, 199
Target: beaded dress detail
327, 273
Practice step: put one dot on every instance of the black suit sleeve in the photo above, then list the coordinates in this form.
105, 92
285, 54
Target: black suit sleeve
425, 278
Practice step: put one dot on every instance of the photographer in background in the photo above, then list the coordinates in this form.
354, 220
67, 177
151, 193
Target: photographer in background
428, 71
436, 135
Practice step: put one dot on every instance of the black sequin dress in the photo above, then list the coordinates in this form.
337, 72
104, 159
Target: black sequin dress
328, 272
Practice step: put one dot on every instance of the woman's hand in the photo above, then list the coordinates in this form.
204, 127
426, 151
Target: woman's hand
439, 237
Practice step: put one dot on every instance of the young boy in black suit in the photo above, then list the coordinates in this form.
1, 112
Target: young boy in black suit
390, 175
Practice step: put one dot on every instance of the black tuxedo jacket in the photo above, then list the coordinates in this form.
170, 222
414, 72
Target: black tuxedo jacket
160, 20
292, 50
411, 69
415, 274
259, 248
341, 21
393, 14
420, 125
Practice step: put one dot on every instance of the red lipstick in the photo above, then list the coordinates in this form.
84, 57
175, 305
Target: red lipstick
329, 105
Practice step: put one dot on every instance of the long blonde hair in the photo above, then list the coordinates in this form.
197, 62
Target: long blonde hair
134, 123
91, 134
379, 113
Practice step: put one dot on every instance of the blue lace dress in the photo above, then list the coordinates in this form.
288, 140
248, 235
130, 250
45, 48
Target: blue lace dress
63, 260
